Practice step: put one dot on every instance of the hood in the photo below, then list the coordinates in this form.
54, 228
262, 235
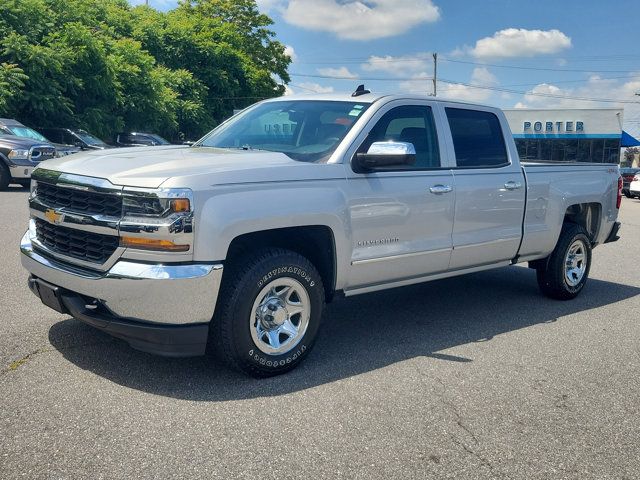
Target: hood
12, 142
150, 167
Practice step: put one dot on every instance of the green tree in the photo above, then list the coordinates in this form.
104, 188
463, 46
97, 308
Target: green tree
106, 66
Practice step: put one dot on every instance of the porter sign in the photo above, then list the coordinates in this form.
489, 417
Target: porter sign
554, 127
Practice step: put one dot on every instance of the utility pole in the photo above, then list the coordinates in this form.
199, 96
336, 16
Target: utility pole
435, 74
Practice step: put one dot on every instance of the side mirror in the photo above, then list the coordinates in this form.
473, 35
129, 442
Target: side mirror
382, 155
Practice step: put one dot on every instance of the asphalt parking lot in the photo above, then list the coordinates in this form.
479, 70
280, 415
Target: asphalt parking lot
473, 377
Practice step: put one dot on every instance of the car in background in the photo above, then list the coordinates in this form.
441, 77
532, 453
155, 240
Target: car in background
140, 139
10, 126
19, 156
634, 187
74, 136
627, 177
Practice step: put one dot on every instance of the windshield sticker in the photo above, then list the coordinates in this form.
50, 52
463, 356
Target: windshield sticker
355, 112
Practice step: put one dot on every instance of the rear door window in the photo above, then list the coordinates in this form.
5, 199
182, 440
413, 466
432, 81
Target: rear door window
478, 140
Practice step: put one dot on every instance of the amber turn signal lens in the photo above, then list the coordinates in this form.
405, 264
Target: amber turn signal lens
180, 205
152, 244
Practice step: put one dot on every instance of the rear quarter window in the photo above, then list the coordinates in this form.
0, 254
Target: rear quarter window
478, 140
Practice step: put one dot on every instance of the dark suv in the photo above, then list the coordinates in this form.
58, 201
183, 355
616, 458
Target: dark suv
140, 139
74, 136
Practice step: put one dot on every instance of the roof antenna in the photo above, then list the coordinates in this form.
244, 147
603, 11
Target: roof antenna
360, 91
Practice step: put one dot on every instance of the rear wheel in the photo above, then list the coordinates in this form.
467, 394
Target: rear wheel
5, 176
563, 275
268, 313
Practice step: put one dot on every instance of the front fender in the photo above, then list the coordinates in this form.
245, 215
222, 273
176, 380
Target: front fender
237, 210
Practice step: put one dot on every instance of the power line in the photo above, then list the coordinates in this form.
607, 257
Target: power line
540, 94
542, 69
373, 79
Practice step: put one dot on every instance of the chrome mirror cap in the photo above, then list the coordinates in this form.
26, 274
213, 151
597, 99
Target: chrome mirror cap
391, 148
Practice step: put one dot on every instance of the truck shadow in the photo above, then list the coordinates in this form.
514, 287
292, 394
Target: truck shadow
359, 334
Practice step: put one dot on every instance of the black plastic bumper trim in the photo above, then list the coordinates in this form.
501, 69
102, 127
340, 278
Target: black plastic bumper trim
165, 340
613, 236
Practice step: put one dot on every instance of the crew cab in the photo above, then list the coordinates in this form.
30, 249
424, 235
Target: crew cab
235, 244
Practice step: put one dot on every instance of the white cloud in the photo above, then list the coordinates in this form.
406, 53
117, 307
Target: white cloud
358, 19
596, 87
311, 87
482, 76
419, 84
402, 66
290, 52
519, 42
465, 93
342, 72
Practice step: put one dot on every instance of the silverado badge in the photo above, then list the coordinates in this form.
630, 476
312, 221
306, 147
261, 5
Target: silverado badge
53, 216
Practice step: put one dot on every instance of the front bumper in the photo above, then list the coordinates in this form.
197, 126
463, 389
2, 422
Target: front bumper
22, 172
133, 297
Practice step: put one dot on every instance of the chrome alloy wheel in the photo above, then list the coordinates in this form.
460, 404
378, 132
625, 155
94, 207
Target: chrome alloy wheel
280, 316
575, 263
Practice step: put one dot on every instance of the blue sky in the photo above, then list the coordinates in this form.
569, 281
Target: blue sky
563, 51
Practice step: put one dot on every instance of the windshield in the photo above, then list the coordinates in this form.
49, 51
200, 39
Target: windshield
87, 138
158, 139
26, 132
304, 130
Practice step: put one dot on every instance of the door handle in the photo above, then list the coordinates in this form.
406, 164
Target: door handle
440, 189
511, 185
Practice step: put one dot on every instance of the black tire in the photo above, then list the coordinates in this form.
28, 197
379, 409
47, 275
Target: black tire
230, 333
551, 273
628, 195
5, 176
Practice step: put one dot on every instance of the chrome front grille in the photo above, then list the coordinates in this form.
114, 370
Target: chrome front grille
42, 153
79, 244
79, 201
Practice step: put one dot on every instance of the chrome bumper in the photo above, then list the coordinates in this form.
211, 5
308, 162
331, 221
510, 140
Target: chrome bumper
158, 293
21, 171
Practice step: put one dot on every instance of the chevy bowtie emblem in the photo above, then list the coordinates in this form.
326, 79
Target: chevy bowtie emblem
53, 216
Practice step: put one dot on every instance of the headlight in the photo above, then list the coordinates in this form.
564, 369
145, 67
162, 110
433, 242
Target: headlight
19, 154
33, 190
160, 220
153, 205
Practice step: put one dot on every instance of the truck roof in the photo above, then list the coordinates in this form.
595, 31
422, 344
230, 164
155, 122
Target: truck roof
9, 122
367, 98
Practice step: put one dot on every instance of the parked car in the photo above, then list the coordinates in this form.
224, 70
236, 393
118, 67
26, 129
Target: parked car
19, 156
14, 127
627, 177
295, 201
140, 139
74, 136
634, 186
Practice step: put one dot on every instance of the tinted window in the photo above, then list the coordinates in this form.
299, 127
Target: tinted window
68, 138
477, 138
411, 124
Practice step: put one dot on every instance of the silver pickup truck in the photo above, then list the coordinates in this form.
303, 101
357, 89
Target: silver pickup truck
235, 244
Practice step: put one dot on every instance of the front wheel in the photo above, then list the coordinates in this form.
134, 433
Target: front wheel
628, 194
564, 273
268, 312
5, 176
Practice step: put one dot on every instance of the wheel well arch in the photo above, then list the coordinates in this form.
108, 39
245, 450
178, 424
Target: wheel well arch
314, 242
586, 215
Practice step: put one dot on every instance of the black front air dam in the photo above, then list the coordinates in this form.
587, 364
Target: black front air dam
164, 340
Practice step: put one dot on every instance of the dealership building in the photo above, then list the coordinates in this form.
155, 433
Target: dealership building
569, 135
